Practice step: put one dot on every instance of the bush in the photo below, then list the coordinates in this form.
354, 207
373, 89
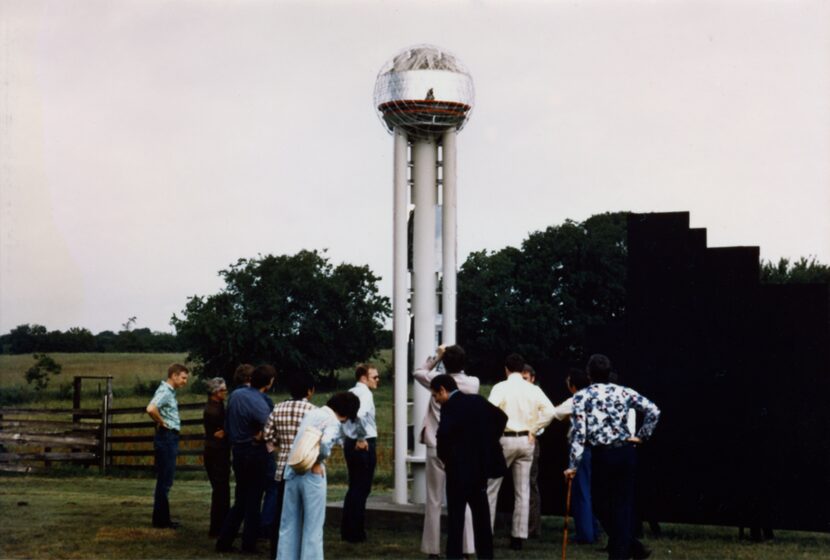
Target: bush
10, 396
42, 371
145, 388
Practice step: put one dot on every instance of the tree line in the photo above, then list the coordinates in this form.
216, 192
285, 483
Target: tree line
28, 339
302, 313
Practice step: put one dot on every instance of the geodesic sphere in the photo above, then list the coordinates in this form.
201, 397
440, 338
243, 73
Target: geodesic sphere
425, 91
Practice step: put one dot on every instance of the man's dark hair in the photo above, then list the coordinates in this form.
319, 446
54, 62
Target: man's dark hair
443, 382
242, 374
454, 358
362, 370
514, 363
345, 404
262, 376
599, 368
299, 384
578, 378
176, 368
529, 369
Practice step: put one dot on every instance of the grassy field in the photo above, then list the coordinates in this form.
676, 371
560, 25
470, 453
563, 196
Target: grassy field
125, 368
102, 517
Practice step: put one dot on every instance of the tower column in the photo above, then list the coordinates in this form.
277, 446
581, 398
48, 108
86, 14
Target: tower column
400, 312
424, 179
449, 242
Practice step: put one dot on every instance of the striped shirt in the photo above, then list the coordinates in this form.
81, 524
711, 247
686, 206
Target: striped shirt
281, 428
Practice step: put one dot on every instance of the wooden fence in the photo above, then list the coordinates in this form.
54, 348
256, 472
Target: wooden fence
33, 439
33, 436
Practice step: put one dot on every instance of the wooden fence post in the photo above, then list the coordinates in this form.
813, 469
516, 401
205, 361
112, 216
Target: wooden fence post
105, 414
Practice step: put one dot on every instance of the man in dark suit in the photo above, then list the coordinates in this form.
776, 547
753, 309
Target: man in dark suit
468, 444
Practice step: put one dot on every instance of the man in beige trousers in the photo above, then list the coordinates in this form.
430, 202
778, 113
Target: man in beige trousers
528, 410
453, 358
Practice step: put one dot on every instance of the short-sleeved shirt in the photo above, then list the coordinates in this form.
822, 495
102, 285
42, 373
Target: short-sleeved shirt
165, 401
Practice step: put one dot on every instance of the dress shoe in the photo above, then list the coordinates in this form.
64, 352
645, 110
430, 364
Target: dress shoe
515, 543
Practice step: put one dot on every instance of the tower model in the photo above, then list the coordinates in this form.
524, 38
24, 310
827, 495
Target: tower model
423, 96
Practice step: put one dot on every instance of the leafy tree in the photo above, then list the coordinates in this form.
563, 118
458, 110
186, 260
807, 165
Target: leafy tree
802, 271
25, 339
298, 312
540, 299
42, 371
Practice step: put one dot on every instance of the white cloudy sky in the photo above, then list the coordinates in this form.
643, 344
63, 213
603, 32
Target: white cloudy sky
145, 144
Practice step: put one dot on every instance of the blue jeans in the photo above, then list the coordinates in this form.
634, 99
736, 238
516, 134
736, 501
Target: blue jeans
166, 447
361, 465
303, 516
249, 467
586, 526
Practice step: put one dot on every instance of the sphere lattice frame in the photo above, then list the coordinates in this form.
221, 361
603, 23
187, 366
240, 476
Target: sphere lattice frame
425, 91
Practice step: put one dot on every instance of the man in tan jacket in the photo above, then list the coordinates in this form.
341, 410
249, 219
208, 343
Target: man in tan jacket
453, 358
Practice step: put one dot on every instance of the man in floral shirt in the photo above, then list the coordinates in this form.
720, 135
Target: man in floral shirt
599, 420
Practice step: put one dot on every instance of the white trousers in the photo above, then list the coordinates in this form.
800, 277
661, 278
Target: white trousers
436, 479
518, 454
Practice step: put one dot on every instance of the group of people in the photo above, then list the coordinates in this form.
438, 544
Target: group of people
273, 498
471, 443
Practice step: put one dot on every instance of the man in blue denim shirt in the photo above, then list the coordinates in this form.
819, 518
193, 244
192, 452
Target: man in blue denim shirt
164, 410
246, 416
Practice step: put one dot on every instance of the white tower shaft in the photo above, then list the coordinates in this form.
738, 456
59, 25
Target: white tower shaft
424, 298
449, 232
400, 312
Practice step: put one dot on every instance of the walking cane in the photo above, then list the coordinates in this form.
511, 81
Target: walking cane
567, 512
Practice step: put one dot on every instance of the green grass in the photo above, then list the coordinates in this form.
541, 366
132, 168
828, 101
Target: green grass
103, 517
125, 368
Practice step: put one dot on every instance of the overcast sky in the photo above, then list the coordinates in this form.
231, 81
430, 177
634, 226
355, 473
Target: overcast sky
145, 145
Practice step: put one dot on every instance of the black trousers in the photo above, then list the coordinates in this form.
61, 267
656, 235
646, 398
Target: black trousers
274, 529
614, 486
218, 467
361, 465
249, 467
461, 491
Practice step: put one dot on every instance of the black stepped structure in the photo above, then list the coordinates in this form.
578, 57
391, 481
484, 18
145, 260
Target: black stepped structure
741, 371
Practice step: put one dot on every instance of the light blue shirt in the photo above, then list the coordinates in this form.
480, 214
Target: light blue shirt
326, 421
364, 426
165, 401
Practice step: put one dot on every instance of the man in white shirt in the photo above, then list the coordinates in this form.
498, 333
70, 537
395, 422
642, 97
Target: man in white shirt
453, 358
528, 410
360, 454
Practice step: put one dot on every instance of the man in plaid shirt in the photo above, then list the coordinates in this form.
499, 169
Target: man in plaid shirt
279, 433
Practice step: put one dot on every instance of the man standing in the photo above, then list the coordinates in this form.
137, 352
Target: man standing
247, 413
453, 358
359, 452
528, 410
468, 445
164, 410
279, 434
600, 421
